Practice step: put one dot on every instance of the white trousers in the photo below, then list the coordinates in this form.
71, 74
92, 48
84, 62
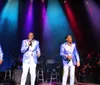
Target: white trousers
26, 68
66, 69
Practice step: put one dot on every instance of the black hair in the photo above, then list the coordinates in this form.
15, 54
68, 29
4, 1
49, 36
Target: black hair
67, 36
31, 32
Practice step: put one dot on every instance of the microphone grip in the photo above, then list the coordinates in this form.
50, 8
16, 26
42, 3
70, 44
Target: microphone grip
30, 43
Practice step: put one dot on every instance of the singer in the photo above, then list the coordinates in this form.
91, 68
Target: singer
70, 58
30, 49
1, 55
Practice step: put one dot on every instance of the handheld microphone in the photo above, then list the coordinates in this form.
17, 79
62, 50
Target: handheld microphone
30, 43
69, 59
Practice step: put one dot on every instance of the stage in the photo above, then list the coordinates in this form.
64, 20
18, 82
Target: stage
50, 21
68, 84
56, 84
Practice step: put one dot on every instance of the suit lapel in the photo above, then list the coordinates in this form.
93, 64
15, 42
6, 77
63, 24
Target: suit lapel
26, 42
33, 45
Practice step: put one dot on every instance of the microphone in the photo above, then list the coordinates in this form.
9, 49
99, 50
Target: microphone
30, 43
69, 59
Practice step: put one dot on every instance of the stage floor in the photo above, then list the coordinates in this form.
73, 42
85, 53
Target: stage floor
68, 84
59, 84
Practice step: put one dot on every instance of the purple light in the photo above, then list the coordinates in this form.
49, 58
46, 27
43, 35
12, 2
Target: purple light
29, 20
94, 14
93, 11
29, 15
46, 30
45, 21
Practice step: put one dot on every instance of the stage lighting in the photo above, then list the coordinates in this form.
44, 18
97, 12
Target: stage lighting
86, 1
43, 0
31, 1
65, 1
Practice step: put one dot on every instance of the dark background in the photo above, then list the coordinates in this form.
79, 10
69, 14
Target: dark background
11, 43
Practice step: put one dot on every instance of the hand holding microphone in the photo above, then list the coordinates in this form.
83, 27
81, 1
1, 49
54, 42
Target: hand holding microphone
69, 57
30, 42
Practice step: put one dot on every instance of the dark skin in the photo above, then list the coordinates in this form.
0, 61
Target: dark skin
1, 62
69, 40
30, 37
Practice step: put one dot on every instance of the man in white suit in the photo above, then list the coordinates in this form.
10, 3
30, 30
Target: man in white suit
30, 49
1, 55
71, 58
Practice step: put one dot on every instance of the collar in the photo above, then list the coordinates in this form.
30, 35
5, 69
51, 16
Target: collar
67, 43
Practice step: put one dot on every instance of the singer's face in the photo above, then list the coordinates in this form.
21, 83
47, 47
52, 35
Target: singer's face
69, 39
30, 36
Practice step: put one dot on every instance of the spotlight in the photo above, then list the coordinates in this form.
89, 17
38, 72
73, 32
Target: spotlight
86, 1
31, 1
42, 0
65, 1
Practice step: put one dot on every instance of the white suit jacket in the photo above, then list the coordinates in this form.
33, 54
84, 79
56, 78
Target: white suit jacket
1, 53
65, 50
30, 52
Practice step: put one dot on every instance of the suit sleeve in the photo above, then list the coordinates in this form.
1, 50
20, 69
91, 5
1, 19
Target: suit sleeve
76, 54
38, 48
62, 52
24, 46
1, 53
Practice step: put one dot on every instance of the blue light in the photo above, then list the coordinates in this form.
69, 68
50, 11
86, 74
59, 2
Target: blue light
8, 31
56, 28
9, 15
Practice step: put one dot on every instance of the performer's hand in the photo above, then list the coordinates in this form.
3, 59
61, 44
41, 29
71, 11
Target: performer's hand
29, 43
38, 54
1, 61
78, 64
69, 57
